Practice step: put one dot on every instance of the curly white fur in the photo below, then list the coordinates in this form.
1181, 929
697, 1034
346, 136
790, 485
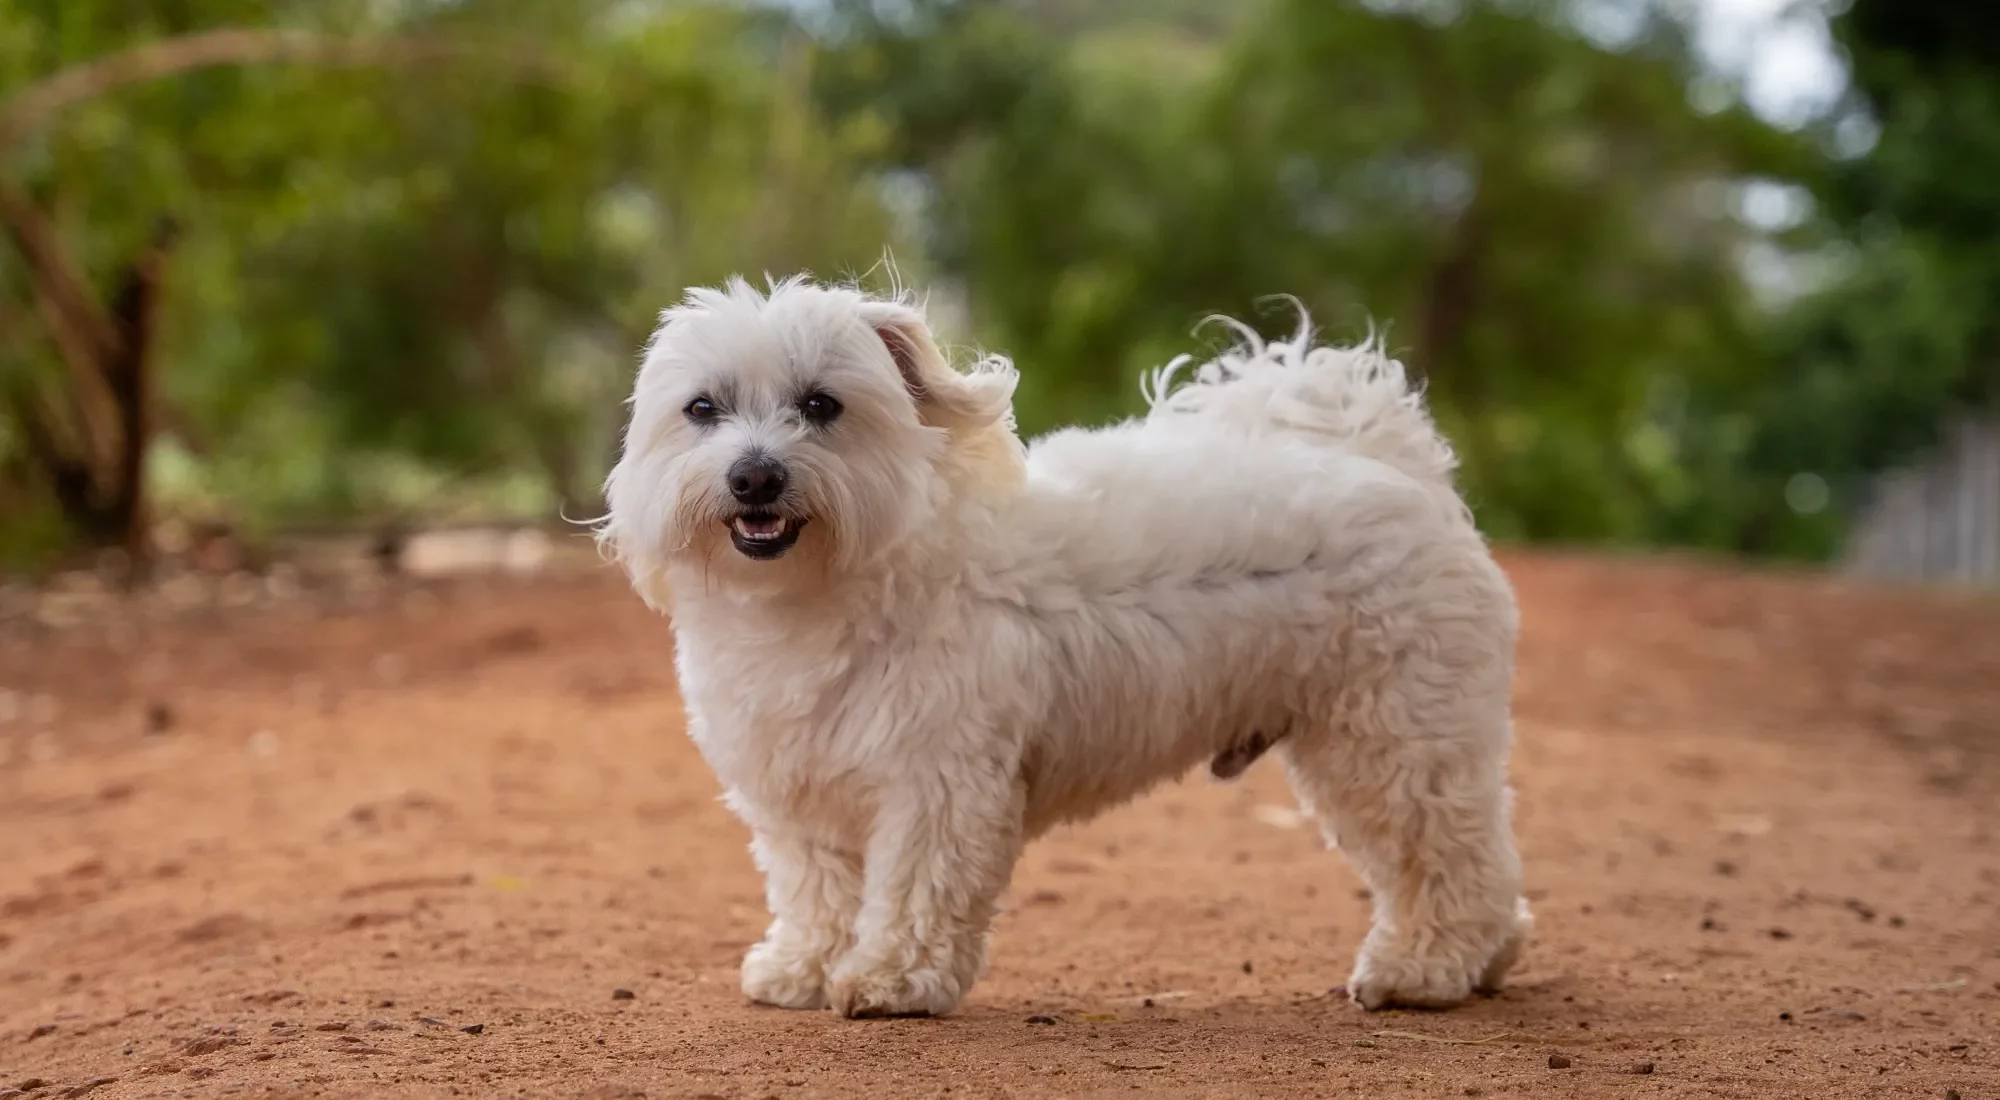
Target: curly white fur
972, 641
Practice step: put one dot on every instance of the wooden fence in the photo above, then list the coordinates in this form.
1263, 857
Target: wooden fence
1938, 519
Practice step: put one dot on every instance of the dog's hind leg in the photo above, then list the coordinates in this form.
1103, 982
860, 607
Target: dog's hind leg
1416, 796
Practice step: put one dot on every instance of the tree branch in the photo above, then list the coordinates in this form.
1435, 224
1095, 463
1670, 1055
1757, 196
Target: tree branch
33, 106
30, 417
55, 275
68, 480
82, 333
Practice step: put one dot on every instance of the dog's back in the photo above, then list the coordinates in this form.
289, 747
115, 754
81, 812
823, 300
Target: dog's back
1356, 399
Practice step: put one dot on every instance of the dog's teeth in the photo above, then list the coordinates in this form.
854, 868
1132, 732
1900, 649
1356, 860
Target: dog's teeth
761, 530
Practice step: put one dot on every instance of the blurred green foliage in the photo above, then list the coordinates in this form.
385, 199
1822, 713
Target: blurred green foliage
419, 252
419, 281
1867, 372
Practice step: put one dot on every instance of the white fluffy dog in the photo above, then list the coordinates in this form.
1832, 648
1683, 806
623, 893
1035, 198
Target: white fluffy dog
909, 643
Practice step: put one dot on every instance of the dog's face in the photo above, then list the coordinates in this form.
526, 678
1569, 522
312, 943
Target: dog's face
798, 426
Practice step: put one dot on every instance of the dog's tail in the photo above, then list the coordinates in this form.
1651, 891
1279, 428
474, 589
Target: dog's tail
1355, 398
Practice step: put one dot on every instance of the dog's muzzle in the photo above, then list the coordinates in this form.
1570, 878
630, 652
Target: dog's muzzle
762, 531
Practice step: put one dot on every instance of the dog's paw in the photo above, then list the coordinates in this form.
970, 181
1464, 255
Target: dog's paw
773, 976
1386, 981
1495, 972
861, 993
1458, 964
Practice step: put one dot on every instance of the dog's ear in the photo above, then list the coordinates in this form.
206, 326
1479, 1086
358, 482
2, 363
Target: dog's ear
945, 398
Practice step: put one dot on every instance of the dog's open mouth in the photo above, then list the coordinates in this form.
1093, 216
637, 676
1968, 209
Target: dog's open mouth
763, 536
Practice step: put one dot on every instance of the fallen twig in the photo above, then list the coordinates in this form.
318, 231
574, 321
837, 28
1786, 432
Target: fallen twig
1420, 1037
420, 882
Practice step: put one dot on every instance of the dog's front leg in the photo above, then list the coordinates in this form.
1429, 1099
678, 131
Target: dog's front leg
814, 893
938, 858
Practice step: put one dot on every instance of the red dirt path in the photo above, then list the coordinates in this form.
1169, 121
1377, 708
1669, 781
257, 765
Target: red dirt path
1759, 814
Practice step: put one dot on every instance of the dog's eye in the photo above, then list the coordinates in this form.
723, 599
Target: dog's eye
820, 408
701, 408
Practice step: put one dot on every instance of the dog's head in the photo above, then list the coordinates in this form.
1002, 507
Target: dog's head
803, 426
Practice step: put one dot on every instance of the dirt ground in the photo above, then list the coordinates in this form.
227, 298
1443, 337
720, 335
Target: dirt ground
454, 843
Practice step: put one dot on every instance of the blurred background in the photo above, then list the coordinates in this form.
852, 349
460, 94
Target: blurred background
1711, 274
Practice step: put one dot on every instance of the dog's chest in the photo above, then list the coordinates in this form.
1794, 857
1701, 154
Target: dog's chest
781, 728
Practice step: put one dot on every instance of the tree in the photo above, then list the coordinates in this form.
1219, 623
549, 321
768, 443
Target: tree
1531, 216
1868, 370
92, 441
418, 240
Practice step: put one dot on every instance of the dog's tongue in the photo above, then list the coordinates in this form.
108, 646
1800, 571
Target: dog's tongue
760, 526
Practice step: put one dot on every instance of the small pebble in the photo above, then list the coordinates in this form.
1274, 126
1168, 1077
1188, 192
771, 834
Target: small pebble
382, 1025
1785, 1016
44, 1029
331, 1025
1642, 1069
1246, 966
473, 1029
1895, 922
432, 1021
1559, 1061
1952, 1094
1041, 1019
622, 995
1708, 924
1780, 934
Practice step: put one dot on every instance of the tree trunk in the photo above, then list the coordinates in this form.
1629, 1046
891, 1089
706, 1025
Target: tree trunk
1450, 300
96, 463
136, 312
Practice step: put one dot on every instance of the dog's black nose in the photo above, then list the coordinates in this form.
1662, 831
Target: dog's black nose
757, 480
